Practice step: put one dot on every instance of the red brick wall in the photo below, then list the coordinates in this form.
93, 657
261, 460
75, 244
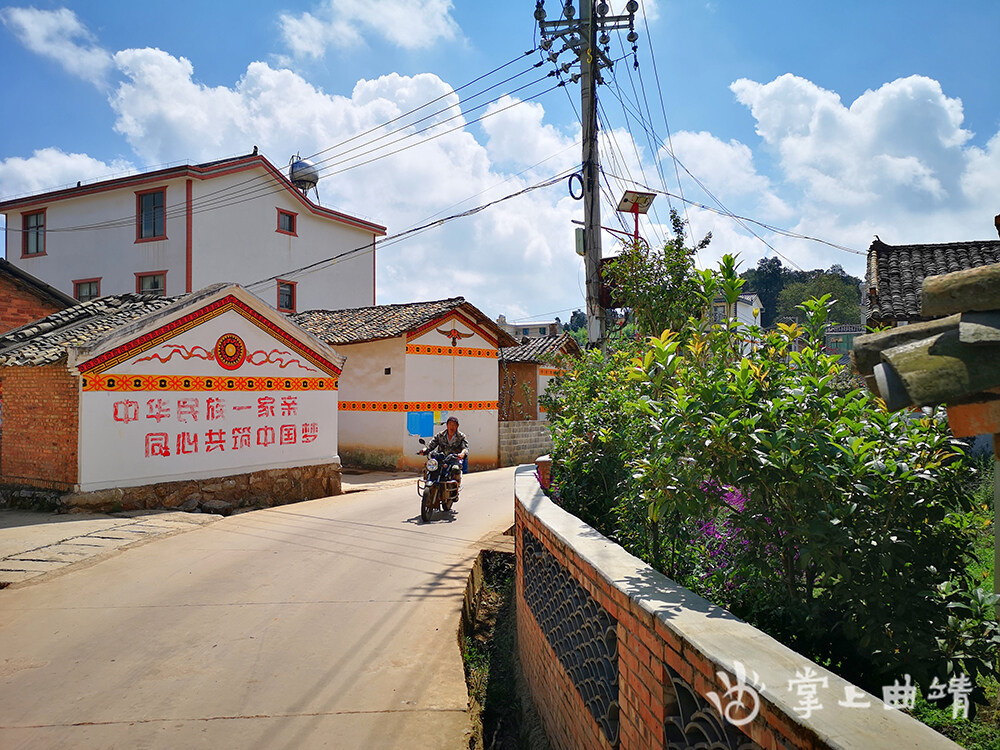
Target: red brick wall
38, 445
19, 306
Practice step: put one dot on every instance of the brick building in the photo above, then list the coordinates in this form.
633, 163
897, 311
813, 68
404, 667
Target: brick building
139, 400
24, 298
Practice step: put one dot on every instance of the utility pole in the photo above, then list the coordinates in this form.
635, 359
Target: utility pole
581, 37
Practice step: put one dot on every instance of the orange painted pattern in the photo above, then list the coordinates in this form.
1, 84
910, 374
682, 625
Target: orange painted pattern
405, 406
126, 383
550, 371
451, 351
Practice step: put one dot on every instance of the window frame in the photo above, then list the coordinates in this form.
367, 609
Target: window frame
33, 231
294, 291
140, 275
76, 288
294, 219
139, 195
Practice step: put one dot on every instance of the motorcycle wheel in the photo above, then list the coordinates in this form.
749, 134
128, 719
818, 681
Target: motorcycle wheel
427, 505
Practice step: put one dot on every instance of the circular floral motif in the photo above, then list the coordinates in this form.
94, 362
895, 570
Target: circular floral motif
230, 351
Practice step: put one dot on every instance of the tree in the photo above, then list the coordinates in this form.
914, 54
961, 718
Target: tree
767, 281
841, 287
660, 287
577, 321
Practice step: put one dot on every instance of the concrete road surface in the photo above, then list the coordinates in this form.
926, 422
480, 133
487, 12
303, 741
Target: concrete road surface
328, 623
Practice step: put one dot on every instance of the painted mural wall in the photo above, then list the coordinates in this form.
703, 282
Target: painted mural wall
217, 392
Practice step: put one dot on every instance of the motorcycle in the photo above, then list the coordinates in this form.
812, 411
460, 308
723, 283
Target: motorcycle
437, 488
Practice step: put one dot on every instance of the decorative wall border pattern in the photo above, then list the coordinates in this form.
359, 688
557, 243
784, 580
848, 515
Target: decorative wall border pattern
125, 383
552, 372
451, 351
580, 631
148, 340
405, 406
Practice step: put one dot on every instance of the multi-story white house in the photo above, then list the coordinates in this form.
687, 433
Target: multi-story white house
182, 228
534, 330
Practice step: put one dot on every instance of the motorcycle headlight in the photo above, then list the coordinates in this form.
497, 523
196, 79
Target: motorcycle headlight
432, 464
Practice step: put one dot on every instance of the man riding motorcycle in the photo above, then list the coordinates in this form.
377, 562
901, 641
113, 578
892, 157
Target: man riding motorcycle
451, 441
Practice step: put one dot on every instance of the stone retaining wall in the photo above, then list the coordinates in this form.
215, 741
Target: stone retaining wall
217, 495
616, 655
523, 442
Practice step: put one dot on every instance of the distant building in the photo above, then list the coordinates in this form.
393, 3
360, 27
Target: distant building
534, 329
746, 310
178, 229
526, 371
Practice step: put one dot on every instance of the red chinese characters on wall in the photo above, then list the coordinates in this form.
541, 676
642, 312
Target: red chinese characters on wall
188, 411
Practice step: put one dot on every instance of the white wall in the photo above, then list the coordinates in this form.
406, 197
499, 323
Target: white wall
236, 243
123, 442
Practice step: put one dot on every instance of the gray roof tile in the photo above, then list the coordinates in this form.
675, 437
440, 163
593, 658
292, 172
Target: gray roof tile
538, 349
896, 273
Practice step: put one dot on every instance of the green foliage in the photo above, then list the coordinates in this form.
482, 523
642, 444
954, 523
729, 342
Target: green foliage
782, 290
742, 463
593, 435
659, 287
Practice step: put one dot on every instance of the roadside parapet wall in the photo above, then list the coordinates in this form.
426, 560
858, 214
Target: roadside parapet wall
616, 655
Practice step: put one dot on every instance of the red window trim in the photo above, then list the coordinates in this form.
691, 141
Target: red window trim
295, 295
295, 222
138, 214
24, 234
88, 281
140, 274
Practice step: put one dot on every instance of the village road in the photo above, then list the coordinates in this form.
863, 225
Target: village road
328, 623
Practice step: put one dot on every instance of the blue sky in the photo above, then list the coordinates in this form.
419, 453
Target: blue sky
834, 122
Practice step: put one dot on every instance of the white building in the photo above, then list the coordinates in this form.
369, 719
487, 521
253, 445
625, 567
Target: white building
182, 228
534, 329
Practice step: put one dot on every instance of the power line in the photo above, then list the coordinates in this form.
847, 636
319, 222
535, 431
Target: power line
395, 238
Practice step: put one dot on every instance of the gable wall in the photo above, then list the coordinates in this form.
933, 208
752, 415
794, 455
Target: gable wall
19, 306
40, 419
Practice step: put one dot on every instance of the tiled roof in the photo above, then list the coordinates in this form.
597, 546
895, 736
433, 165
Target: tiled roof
537, 349
44, 341
35, 285
360, 324
896, 272
845, 328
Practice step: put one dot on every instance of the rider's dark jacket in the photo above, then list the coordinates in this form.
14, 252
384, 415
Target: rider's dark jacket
442, 442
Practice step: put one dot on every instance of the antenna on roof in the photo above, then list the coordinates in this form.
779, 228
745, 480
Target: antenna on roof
303, 175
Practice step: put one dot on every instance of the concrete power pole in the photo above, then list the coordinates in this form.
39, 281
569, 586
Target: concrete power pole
581, 37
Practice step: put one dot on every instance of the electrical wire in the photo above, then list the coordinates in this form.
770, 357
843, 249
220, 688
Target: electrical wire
408, 233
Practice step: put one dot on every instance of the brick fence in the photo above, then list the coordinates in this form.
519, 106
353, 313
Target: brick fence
523, 442
616, 655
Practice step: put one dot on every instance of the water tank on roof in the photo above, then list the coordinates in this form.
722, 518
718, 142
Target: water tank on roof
303, 174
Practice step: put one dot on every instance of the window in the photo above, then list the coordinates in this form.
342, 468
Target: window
87, 289
33, 233
286, 222
154, 282
151, 215
525, 331
541, 330
286, 296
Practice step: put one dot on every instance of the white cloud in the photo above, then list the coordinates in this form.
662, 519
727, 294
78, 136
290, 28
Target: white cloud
51, 168
517, 134
60, 36
410, 24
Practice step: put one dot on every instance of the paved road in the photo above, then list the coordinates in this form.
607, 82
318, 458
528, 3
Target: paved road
329, 623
